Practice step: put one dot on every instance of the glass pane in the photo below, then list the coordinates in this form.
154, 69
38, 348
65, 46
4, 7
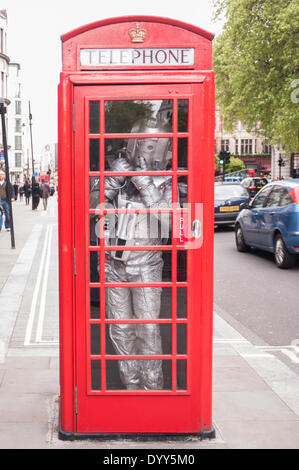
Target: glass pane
144, 154
138, 302
182, 266
147, 116
94, 266
94, 192
183, 115
183, 191
94, 229
94, 117
183, 154
139, 192
142, 339
138, 374
95, 375
95, 339
182, 374
94, 154
137, 229
138, 266
181, 339
182, 302
95, 303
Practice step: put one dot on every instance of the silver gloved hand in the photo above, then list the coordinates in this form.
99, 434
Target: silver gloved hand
145, 185
121, 165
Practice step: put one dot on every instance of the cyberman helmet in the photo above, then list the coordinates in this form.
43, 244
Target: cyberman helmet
154, 150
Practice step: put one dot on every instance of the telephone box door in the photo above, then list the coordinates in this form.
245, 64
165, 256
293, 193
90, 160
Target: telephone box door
140, 270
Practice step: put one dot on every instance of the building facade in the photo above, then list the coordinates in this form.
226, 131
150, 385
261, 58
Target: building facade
4, 61
17, 130
251, 148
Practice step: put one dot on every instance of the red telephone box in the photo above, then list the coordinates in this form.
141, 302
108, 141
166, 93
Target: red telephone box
136, 226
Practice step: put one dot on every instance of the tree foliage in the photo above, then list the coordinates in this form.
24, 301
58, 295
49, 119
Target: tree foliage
256, 62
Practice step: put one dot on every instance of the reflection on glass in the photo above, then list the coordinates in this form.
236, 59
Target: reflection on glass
94, 229
182, 115
132, 115
182, 302
137, 229
94, 192
181, 338
144, 154
140, 192
138, 368
182, 374
95, 339
183, 190
129, 296
95, 375
94, 266
181, 266
95, 303
94, 154
182, 153
94, 117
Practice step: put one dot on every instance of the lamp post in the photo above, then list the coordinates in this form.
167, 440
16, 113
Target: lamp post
3, 112
32, 159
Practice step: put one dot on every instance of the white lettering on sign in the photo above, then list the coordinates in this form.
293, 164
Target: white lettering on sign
137, 57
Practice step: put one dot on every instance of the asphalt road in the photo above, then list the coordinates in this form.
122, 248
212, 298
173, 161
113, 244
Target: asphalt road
256, 297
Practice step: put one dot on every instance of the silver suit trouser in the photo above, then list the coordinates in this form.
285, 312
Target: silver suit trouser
136, 339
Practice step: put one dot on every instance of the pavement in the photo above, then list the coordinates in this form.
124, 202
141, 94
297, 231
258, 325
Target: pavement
255, 395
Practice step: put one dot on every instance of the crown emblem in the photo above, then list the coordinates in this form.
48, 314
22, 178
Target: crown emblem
137, 34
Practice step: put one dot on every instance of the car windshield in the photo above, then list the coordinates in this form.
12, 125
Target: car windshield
233, 191
260, 182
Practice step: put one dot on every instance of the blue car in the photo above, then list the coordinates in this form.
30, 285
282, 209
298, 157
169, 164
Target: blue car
270, 222
228, 198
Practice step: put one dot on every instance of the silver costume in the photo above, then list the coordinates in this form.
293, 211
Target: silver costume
138, 192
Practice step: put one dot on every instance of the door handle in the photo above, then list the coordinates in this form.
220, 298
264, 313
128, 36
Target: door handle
196, 228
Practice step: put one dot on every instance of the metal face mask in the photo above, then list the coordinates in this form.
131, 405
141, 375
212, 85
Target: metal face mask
154, 150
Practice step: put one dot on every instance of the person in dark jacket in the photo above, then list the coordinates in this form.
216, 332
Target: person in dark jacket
27, 191
4, 198
36, 194
16, 190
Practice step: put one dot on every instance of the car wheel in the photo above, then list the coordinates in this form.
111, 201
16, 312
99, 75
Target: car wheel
283, 258
240, 243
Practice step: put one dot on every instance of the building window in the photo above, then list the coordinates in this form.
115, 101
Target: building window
18, 160
18, 142
225, 145
18, 125
18, 107
266, 148
237, 147
246, 146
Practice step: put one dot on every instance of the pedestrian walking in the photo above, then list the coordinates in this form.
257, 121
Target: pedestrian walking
27, 192
36, 196
16, 190
21, 192
45, 193
4, 186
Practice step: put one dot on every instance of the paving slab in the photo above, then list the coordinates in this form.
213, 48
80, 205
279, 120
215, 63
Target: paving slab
261, 405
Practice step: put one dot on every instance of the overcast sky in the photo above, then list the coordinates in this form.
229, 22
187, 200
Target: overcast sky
33, 37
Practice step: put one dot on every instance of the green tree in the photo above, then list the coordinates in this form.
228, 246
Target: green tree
235, 164
256, 61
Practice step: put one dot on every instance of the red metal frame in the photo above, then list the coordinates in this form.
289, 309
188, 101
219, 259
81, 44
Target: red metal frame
187, 411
